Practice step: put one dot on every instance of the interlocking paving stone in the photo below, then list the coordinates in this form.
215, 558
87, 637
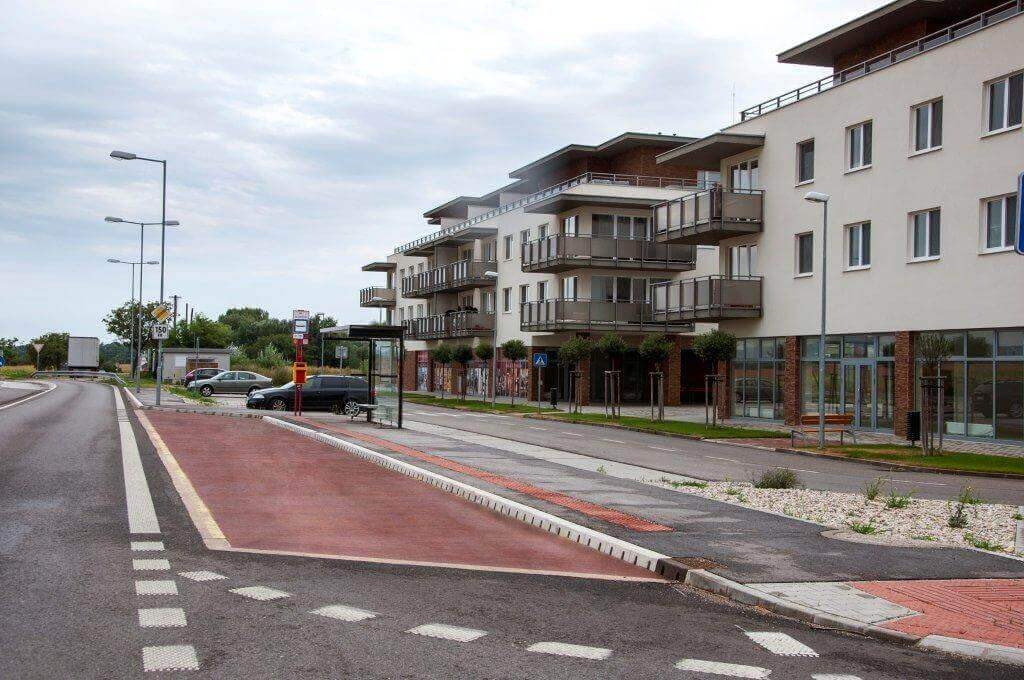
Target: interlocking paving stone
261, 593
731, 670
143, 546
566, 649
169, 658
151, 565
156, 588
162, 617
344, 613
201, 575
444, 632
781, 644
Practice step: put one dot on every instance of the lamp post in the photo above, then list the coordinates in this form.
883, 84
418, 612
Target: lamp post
494, 342
126, 156
319, 331
818, 197
142, 236
112, 260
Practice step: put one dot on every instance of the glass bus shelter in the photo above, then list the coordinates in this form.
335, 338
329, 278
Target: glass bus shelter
384, 369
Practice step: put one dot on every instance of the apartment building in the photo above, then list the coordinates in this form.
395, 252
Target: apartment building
566, 248
916, 137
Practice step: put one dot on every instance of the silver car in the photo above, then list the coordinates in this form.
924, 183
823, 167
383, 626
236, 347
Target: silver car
231, 382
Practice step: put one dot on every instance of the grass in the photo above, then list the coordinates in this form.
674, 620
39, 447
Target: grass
898, 501
952, 460
778, 478
194, 396
873, 488
968, 496
866, 528
16, 372
669, 426
1017, 516
676, 484
471, 404
982, 543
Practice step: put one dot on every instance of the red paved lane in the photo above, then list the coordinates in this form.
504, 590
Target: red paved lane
271, 489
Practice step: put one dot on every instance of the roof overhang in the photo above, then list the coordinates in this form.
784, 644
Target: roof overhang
564, 202
365, 332
451, 238
707, 153
615, 145
201, 350
380, 267
458, 207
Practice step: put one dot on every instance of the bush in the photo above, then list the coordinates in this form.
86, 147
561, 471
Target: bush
656, 348
513, 350
715, 346
270, 357
484, 352
778, 478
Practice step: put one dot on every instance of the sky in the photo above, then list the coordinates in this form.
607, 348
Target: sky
304, 140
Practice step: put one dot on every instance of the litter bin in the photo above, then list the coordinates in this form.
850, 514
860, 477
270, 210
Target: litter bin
553, 395
913, 426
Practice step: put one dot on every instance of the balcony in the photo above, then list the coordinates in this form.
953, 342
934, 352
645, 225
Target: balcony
595, 315
452, 325
448, 278
561, 252
707, 298
707, 217
377, 296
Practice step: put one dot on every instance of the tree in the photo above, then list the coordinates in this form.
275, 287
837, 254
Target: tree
270, 357
574, 351
933, 348
442, 354
614, 348
485, 352
122, 323
241, 318
715, 346
54, 353
656, 349
281, 341
9, 350
209, 333
462, 355
513, 350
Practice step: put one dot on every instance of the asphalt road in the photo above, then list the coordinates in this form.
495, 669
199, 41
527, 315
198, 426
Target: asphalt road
70, 607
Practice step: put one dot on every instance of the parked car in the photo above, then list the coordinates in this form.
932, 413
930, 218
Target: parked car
200, 374
1009, 398
338, 393
231, 382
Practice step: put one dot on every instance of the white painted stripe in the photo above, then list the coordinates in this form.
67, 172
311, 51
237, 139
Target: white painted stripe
566, 649
781, 644
156, 588
22, 400
169, 658
141, 513
613, 441
531, 427
731, 460
201, 575
810, 472
147, 546
572, 434
444, 632
833, 676
344, 613
658, 448
162, 617
731, 670
151, 565
261, 593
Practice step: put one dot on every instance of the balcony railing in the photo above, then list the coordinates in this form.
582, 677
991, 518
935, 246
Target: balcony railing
562, 252
452, 325
707, 217
594, 315
707, 298
586, 178
450, 277
956, 31
377, 296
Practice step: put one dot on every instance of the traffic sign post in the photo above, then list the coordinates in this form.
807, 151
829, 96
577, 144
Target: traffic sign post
161, 331
300, 332
39, 350
1019, 245
2, 361
540, 360
340, 353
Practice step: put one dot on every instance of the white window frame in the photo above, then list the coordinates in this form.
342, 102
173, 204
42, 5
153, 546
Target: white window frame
743, 260
571, 225
799, 161
507, 242
524, 236
542, 291
930, 107
1005, 80
797, 274
858, 228
1006, 213
748, 172
856, 164
524, 293
542, 230
506, 300
488, 301
571, 288
911, 222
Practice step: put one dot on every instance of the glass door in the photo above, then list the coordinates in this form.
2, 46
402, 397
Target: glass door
859, 392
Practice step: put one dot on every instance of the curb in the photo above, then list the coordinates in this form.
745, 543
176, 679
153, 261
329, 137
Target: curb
984, 651
49, 387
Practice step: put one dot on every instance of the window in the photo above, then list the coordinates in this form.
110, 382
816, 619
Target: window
926, 121
924, 235
488, 301
744, 175
805, 161
569, 287
858, 146
602, 226
708, 178
542, 290
506, 300
743, 261
508, 247
570, 225
524, 236
419, 311
1000, 223
804, 254
542, 231
1005, 98
489, 248
524, 293
858, 246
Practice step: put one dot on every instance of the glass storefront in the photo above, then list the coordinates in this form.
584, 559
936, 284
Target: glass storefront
859, 372
757, 374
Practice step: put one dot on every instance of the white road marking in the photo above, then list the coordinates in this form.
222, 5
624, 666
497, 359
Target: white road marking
658, 448
141, 514
832, 676
440, 630
151, 565
914, 481
201, 575
156, 588
613, 441
344, 613
22, 400
531, 427
781, 644
144, 546
261, 593
718, 668
566, 649
162, 617
169, 658
731, 460
572, 434
810, 472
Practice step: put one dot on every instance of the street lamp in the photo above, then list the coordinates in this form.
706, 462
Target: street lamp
142, 233
126, 156
319, 331
818, 197
494, 343
113, 260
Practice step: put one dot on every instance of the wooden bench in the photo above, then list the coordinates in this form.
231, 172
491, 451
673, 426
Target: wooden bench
834, 422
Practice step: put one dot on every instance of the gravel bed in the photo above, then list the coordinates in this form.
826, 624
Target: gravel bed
925, 520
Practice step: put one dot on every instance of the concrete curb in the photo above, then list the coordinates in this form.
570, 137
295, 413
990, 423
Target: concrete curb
50, 387
975, 650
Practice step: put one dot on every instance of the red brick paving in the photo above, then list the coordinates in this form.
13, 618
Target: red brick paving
270, 489
985, 610
585, 507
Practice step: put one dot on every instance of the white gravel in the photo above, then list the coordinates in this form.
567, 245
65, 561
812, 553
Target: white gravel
922, 519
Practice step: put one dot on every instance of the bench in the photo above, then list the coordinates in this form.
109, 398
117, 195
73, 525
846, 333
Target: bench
368, 409
834, 422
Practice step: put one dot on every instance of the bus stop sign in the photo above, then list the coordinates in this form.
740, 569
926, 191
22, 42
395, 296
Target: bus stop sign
540, 359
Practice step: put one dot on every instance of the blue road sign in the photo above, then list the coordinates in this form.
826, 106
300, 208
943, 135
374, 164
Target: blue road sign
540, 359
2, 362
1020, 214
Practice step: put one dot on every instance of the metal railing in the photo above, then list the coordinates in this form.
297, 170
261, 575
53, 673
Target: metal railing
451, 325
586, 178
564, 251
461, 274
707, 298
953, 32
83, 374
561, 314
706, 217
377, 296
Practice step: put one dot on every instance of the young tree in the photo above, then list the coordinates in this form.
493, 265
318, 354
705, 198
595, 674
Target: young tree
54, 353
656, 349
442, 354
485, 352
462, 355
715, 347
122, 323
574, 351
513, 350
614, 348
933, 348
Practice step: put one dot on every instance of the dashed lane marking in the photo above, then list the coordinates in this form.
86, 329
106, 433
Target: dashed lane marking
833, 676
201, 575
162, 617
344, 613
444, 632
169, 658
731, 670
613, 441
151, 565
658, 448
566, 649
781, 644
147, 546
572, 434
731, 460
141, 513
531, 427
810, 472
156, 588
261, 593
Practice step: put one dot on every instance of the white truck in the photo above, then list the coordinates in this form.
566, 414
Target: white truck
83, 353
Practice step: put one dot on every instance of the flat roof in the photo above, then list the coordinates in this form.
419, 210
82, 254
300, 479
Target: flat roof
365, 331
707, 153
615, 145
563, 202
201, 350
380, 266
459, 206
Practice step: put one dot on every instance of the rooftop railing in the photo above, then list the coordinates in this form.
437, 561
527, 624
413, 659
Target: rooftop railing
958, 30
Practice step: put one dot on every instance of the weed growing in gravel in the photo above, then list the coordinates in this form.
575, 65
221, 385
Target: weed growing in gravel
676, 484
733, 491
968, 496
601, 471
958, 517
982, 543
778, 478
863, 527
898, 501
742, 498
923, 537
1017, 516
873, 488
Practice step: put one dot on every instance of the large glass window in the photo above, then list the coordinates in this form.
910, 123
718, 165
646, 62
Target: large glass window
743, 260
745, 175
1005, 97
758, 378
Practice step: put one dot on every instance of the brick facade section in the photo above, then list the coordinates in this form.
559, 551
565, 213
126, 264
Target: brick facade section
674, 373
791, 379
903, 381
890, 41
409, 371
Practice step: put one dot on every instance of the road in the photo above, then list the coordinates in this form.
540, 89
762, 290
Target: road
71, 607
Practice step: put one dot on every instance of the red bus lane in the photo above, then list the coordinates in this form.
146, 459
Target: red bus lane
269, 489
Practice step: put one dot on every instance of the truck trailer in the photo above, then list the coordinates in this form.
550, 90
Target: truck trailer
83, 353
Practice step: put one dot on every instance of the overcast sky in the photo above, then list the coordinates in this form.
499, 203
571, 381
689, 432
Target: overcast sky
306, 139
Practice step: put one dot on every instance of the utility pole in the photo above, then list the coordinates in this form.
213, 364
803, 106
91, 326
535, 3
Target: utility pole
174, 318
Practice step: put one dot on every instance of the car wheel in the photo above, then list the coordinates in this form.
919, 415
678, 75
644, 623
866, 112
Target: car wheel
251, 390
277, 404
206, 390
351, 407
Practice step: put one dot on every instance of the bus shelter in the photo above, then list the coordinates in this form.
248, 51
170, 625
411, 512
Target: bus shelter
383, 371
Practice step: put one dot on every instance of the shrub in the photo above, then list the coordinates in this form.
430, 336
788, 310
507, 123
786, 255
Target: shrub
462, 354
612, 346
656, 348
873, 488
897, 501
968, 496
715, 346
575, 350
958, 518
270, 357
778, 478
866, 528
513, 350
484, 352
